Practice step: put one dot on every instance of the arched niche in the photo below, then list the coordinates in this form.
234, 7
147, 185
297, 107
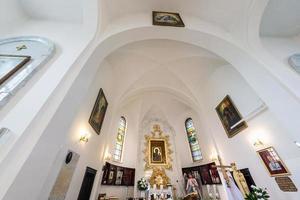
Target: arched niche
40, 50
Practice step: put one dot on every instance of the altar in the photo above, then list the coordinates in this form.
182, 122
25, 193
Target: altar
157, 194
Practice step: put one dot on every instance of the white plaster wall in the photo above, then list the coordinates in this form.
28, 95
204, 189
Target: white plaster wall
70, 40
92, 153
165, 109
41, 85
11, 15
265, 127
130, 151
67, 11
281, 48
46, 159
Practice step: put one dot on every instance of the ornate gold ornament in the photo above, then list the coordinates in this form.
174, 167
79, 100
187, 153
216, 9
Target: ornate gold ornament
159, 177
157, 150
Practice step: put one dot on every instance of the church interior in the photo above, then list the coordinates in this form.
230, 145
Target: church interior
149, 100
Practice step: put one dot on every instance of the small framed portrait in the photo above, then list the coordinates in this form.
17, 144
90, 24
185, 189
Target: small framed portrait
167, 19
158, 152
98, 113
119, 177
230, 117
209, 174
10, 64
272, 162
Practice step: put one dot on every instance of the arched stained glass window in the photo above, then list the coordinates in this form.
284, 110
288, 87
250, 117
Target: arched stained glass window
120, 140
193, 141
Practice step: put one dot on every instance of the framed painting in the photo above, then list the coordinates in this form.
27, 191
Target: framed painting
157, 149
167, 19
230, 117
119, 176
273, 162
10, 64
98, 113
209, 174
157, 152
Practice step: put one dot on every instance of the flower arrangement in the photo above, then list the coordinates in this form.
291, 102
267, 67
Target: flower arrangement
257, 194
142, 184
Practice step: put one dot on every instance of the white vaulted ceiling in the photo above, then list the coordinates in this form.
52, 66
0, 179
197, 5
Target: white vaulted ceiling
281, 18
161, 65
225, 13
66, 10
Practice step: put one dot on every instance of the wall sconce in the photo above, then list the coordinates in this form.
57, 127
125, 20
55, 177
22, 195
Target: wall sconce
297, 144
214, 157
84, 137
258, 143
107, 156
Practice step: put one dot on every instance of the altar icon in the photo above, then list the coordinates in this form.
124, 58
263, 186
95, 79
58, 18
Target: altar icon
157, 149
158, 153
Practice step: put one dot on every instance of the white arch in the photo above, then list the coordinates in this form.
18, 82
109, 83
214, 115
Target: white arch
254, 71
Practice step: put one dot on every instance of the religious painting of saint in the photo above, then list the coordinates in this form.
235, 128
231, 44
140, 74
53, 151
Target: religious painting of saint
167, 19
98, 113
230, 117
192, 181
157, 152
272, 162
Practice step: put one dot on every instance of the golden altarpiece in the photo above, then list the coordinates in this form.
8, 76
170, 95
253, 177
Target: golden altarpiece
157, 157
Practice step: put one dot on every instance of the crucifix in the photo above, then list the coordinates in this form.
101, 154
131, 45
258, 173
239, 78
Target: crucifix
224, 169
237, 175
21, 47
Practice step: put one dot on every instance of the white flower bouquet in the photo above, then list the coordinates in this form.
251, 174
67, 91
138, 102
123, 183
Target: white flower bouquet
257, 194
142, 184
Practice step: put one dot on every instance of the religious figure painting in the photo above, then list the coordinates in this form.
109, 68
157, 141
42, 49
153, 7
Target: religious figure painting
209, 174
157, 152
10, 64
192, 180
272, 162
230, 117
119, 177
167, 19
98, 113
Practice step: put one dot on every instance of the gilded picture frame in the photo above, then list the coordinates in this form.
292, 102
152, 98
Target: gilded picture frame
10, 64
273, 163
230, 117
157, 150
98, 112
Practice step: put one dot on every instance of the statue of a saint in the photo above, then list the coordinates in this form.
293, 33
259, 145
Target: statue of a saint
240, 180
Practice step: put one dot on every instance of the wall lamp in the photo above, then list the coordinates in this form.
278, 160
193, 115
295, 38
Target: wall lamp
297, 144
258, 143
84, 137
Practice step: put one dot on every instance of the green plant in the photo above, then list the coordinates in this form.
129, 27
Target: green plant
257, 194
142, 184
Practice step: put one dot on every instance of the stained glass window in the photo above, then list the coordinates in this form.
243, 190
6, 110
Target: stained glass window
120, 140
193, 141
